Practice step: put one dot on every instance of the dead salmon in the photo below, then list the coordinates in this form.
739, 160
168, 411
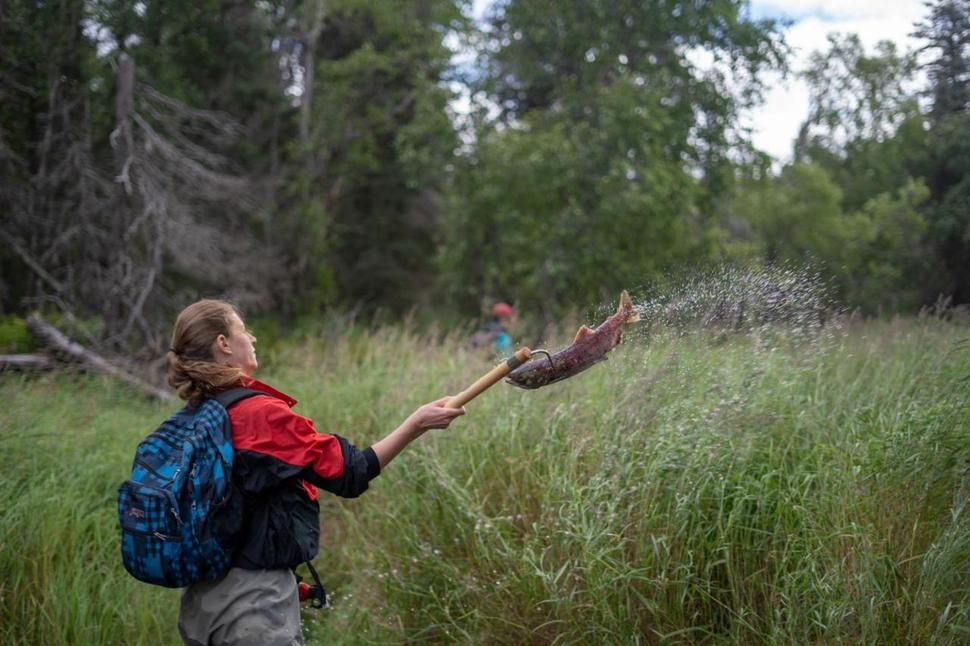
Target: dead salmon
588, 348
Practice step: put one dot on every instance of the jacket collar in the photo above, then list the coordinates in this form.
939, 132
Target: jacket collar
256, 384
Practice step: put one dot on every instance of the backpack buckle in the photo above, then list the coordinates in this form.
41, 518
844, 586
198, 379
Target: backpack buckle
315, 594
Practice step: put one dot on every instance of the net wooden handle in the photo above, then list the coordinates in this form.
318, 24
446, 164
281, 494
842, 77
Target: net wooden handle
490, 378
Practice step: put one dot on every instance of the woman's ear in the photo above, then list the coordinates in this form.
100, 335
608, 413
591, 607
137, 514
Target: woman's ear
220, 347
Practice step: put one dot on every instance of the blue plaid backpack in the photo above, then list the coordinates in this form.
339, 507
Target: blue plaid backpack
177, 512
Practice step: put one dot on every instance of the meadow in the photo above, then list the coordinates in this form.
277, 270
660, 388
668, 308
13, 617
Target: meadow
699, 488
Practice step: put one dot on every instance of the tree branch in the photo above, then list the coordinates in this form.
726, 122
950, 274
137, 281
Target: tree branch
30, 262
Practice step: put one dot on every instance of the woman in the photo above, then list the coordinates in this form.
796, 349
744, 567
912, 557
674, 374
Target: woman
279, 462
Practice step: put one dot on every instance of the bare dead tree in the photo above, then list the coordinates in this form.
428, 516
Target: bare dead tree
169, 221
180, 211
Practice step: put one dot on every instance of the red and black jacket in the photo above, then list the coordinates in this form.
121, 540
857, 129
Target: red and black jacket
279, 462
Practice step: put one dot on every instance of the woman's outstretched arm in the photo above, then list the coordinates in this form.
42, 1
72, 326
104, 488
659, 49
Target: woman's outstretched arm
429, 416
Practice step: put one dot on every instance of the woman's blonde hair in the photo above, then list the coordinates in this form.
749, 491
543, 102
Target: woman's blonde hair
192, 369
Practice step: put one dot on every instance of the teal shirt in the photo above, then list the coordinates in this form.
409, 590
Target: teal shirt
503, 344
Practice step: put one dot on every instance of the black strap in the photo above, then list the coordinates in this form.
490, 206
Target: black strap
318, 594
514, 362
229, 397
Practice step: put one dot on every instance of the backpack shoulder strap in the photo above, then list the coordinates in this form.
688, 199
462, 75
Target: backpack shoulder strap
229, 397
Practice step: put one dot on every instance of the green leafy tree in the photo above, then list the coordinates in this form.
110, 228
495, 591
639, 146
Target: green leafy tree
950, 211
888, 263
855, 95
864, 125
550, 216
866, 137
609, 143
875, 257
947, 36
796, 217
377, 146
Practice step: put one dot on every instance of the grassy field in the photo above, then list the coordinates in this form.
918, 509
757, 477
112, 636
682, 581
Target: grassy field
694, 489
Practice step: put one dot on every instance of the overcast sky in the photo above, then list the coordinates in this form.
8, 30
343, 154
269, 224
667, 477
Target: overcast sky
776, 122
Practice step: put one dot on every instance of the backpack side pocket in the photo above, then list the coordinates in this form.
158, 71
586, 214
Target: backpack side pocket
151, 534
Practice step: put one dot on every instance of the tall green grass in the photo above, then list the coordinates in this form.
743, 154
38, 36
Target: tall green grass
690, 490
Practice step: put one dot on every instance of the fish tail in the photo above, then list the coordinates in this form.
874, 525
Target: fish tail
626, 304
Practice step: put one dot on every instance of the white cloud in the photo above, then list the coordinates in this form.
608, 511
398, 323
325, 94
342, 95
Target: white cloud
836, 9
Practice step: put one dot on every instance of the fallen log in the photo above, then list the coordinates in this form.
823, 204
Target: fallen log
25, 362
56, 340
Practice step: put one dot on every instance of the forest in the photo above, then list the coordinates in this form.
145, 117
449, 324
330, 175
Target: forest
384, 158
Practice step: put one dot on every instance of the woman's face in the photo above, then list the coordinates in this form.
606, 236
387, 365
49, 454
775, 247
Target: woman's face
238, 350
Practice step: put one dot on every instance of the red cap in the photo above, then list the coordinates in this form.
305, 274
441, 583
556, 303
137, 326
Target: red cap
502, 310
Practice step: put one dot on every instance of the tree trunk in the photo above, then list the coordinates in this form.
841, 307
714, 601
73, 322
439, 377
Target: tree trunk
309, 69
62, 344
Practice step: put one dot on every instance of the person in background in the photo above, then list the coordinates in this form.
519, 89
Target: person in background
502, 317
495, 334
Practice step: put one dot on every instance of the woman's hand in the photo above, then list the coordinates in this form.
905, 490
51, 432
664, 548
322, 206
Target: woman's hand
434, 415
